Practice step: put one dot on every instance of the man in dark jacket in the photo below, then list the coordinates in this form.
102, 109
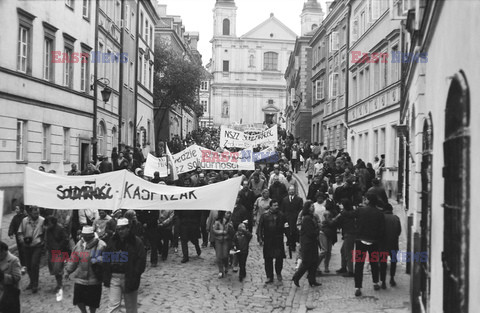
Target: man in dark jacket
149, 221
379, 192
318, 184
189, 226
277, 190
370, 231
291, 207
247, 199
12, 231
271, 228
120, 275
393, 229
346, 220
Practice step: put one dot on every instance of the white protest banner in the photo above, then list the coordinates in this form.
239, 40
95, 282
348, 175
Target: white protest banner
230, 161
185, 161
239, 139
139, 194
72, 192
154, 164
122, 189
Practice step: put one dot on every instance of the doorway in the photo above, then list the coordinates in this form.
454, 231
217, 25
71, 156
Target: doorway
84, 155
456, 173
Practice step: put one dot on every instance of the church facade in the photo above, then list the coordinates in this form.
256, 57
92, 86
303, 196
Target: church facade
248, 85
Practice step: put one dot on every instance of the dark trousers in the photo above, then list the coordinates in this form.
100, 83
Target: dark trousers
359, 265
176, 232
346, 251
295, 165
305, 266
152, 236
269, 266
292, 236
164, 241
21, 251
184, 242
242, 262
203, 227
383, 267
32, 259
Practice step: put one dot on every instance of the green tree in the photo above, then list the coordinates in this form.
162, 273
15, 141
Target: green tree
176, 82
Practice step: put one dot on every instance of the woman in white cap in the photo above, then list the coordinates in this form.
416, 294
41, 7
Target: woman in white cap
123, 275
83, 263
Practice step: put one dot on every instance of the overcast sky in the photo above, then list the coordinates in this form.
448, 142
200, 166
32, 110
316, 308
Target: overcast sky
197, 15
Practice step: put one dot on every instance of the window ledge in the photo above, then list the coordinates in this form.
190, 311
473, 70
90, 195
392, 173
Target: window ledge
46, 162
69, 7
22, 162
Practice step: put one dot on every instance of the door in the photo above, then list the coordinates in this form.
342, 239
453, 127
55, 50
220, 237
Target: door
84, 155
456, 173
426, 221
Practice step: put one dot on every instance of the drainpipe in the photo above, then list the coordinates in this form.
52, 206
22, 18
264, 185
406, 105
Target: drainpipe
120, 85
95, 87
136, 77
347, 72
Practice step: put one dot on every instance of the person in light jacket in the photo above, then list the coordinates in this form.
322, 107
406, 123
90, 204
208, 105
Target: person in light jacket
83, 264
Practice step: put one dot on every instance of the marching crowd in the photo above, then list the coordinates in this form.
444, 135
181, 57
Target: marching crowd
341, 196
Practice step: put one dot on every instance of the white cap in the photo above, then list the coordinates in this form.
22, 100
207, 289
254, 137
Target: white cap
87, 230
122, 222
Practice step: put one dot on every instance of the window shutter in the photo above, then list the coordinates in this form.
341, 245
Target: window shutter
321, 89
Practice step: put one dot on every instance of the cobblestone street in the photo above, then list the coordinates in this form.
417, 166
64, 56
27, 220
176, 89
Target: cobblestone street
194, 287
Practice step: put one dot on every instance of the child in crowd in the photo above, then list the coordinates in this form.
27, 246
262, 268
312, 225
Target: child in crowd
241, 242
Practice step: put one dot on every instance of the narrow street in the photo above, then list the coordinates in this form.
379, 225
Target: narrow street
194, 287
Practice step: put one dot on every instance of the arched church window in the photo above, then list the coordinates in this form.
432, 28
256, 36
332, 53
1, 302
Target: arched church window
226, 27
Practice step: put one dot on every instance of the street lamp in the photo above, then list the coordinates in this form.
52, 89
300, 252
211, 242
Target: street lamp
298, 99
106, 92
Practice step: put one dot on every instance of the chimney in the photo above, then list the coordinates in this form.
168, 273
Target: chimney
161, 9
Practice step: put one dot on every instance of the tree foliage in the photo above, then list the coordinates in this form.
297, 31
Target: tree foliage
176, 79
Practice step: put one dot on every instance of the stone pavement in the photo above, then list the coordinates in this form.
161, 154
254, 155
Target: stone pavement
194, 287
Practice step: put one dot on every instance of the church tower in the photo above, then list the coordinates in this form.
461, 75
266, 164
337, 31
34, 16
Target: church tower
225, 18
312, 16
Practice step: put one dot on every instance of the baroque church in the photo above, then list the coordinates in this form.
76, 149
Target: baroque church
248, 84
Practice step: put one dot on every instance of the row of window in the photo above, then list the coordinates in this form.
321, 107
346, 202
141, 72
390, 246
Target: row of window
336, 86
364, 18
382, 140
25, 53
22, 142
365, 84
86, 7
270, 62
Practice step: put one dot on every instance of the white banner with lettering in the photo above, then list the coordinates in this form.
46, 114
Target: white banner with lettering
122, 189
228, 161
234, 138
185, 161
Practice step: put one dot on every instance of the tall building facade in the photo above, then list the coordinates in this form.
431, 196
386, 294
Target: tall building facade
170, 33
298, 111
144, 118
46, 105
248, 86
333, 82
205, 99
374, 87
440, 136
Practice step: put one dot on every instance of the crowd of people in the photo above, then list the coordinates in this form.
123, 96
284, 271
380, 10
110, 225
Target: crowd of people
341, 196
